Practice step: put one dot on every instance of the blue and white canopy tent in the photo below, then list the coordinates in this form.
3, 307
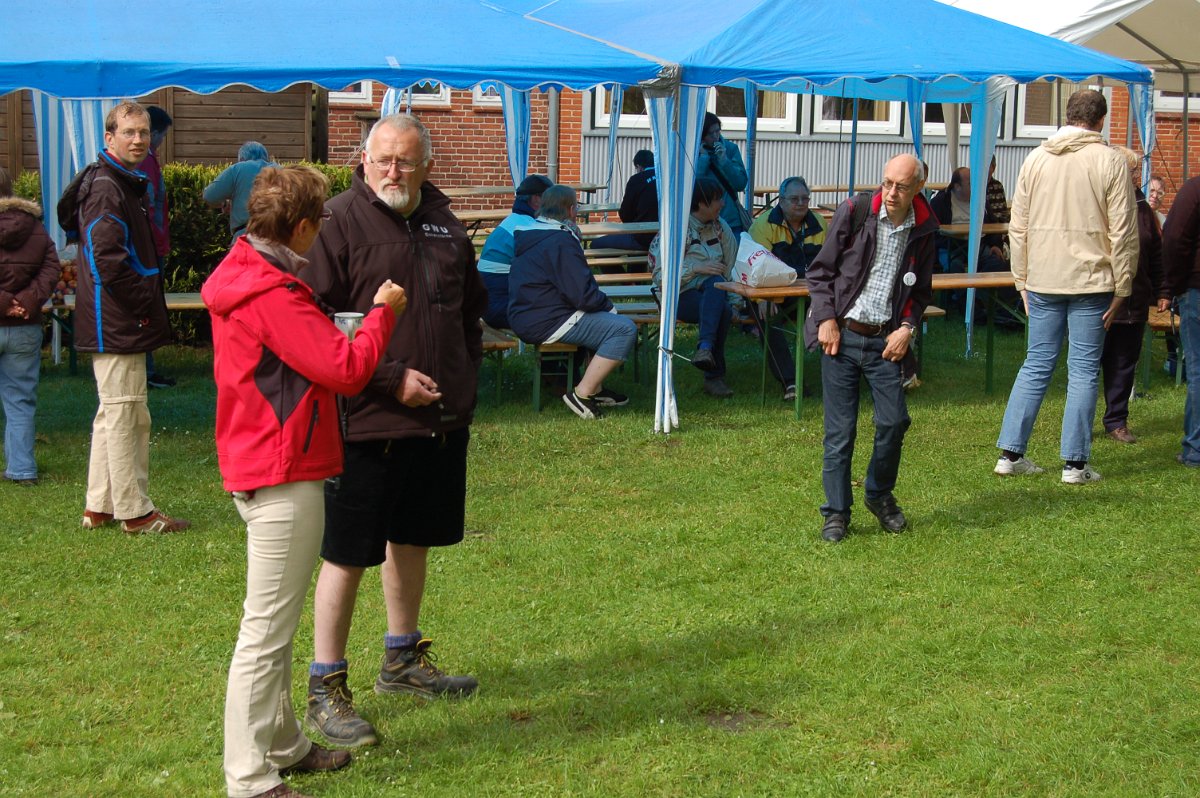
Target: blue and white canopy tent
910, 50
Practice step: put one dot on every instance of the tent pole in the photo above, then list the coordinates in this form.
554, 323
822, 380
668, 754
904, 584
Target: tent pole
1129, 121
1186, 91
552, 136
853, 145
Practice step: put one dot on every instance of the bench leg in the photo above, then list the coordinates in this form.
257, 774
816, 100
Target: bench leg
537, 381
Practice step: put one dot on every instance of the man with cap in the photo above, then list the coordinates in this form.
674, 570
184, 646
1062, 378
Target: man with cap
496, 258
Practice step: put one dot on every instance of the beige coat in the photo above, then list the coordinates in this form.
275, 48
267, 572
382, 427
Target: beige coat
1074, 218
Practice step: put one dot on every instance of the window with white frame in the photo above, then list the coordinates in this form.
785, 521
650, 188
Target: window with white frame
430, 94
486, 96
1171, 102
355, 94
836, 115
935, 119
776, 110
1042, 106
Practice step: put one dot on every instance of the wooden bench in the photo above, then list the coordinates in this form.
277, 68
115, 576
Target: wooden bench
497, 344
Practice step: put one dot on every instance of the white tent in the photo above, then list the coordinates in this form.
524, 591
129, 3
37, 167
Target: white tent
1161, 34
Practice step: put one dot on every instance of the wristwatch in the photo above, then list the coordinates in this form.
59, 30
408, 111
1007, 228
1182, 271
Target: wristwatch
912, 328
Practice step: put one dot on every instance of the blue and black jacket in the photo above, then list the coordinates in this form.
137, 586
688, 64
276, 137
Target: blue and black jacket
119, 304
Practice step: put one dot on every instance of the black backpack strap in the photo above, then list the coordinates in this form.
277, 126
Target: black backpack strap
862, 208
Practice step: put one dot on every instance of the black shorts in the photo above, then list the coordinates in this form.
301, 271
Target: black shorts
410, 491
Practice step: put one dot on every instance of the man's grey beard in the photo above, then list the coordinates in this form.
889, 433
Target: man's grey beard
395, 196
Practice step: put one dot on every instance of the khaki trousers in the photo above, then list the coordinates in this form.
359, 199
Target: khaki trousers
284, 525
119, 466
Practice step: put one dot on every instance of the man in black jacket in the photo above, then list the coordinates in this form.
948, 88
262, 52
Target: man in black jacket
1181, 262
120, 315
869, 286
639, 204
403, 489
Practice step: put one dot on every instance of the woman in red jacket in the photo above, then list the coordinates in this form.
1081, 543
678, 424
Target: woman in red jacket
278, 362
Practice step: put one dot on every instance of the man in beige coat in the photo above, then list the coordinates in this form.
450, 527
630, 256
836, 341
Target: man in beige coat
1074, 246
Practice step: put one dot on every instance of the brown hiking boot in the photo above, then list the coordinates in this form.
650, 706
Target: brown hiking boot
318, 758
331, 712
411, 670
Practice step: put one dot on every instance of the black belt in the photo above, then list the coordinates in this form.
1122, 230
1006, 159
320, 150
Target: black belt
866, 330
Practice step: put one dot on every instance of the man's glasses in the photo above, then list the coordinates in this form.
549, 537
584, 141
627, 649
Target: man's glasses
903, 188
403, 167
801, 200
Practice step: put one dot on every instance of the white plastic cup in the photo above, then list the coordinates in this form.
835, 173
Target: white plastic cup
348, 323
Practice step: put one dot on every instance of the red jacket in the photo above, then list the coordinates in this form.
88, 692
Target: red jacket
278, 362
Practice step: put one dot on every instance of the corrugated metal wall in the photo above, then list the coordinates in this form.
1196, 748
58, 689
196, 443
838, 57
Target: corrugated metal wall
818, 161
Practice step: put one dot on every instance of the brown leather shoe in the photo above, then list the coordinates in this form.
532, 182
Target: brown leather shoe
154, 523
1122, 435
318, 758
281, 791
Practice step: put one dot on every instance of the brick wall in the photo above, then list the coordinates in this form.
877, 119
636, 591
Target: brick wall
1167, 158
468, 140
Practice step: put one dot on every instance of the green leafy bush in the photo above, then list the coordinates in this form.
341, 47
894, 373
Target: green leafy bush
200, 234
28, 185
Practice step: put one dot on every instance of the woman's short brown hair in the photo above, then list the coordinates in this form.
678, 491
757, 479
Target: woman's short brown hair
282, 198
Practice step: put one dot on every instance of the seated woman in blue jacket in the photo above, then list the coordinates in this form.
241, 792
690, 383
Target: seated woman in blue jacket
554, 297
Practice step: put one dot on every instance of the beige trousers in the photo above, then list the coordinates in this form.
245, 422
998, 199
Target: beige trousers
119, 466
284, 525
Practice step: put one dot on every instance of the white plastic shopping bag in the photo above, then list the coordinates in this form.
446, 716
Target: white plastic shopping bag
758, 268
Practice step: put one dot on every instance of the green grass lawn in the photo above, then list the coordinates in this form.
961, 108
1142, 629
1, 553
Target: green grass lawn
653, 615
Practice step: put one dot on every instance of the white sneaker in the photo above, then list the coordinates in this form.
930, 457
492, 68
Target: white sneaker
1080, 476
1015, 468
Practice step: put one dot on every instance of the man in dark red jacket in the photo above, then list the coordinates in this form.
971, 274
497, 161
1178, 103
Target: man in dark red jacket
120, 315
869, 286
1181, 262
404, 485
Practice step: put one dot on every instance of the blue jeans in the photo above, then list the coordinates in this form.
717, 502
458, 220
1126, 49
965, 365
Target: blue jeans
1053, 317
1189, 330
709, 307
20, 363
496, 314
606, 334
858, 357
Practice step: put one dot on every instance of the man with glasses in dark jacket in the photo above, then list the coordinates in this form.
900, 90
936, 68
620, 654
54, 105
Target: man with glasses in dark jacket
403, 489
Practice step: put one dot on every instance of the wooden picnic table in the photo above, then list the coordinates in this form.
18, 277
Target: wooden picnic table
941, 282
631, 278
961, 231
57, 312
487, 215
495, 191
596, 229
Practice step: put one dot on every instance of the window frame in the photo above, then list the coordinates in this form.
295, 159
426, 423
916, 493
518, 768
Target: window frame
870, 127
364, 96
788, 123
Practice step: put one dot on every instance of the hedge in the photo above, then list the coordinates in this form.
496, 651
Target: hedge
199, 234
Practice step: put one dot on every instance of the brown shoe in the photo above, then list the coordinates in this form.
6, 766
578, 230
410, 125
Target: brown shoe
94, 520
1122, 435
281, 791
154, 523
318, 758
